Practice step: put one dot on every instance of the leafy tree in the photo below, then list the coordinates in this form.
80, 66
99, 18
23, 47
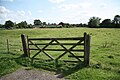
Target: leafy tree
22, 24
61, 24
1, 26
66, 25
44, 23
107, 23
82, 25
9, 24
116, 21
73, 25
85, 25
30, 26
37, 22
94, 22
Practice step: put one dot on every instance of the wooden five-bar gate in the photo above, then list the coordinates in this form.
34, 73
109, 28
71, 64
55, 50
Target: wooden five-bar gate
81, 41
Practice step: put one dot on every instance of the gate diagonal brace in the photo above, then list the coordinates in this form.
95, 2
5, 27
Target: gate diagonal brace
69, 50
42, 50
36, 47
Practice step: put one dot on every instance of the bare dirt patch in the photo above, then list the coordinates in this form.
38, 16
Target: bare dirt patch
23, 74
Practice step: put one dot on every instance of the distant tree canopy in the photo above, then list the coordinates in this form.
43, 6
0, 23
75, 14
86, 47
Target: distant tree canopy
30, 26
22, 24
67, 25
107, 23
44, 23
1, 26
37, 22
9, 24
94, 22
61, 23
116, 21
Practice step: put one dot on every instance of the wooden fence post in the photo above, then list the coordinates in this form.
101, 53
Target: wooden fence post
8, 46
86, 49
24, 44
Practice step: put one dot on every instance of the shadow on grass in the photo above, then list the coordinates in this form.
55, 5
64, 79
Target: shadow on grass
7, 63
62, 69
69, 69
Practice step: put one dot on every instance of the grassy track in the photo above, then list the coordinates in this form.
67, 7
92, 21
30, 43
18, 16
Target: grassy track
105, 52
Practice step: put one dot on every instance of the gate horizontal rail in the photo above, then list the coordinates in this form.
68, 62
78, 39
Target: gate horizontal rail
57, 50
72, 38
57, 44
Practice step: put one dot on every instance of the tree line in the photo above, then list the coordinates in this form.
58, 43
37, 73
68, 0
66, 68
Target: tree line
94, 22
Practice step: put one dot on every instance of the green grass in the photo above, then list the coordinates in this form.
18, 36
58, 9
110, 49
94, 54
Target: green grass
105, 53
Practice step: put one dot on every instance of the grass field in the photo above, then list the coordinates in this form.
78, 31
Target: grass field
104, 59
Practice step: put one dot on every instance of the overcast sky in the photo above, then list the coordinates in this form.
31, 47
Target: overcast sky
69, 11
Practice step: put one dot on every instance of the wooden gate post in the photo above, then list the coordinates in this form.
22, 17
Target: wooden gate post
24, 44
86, 49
